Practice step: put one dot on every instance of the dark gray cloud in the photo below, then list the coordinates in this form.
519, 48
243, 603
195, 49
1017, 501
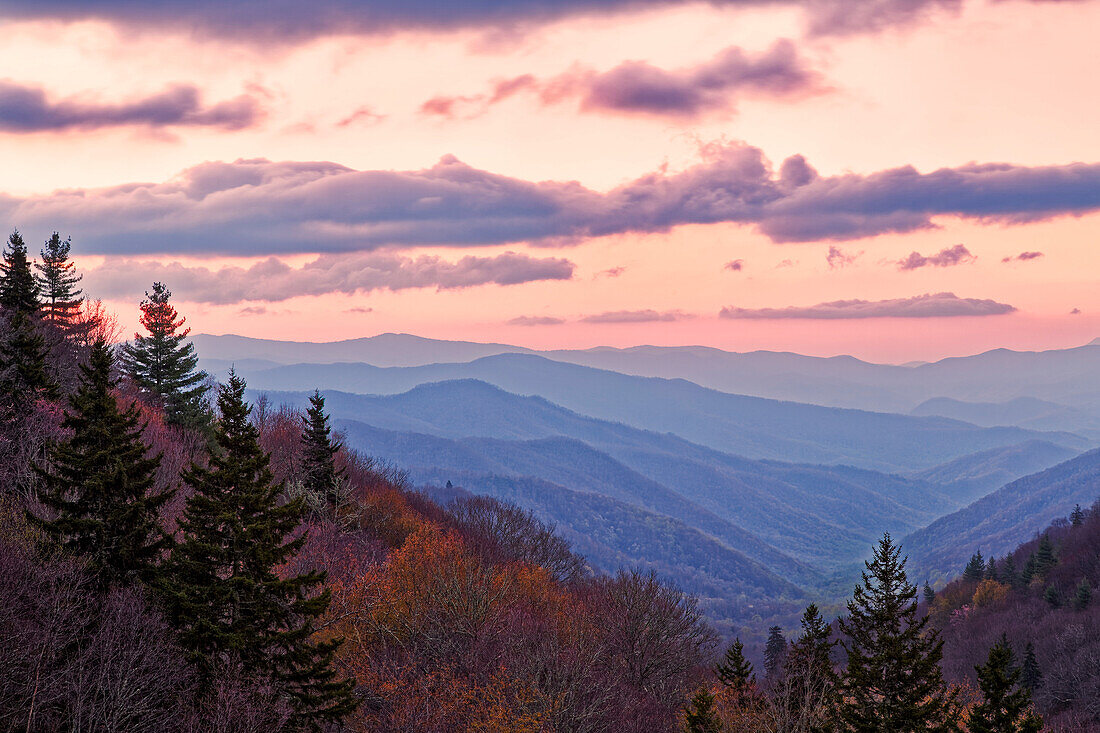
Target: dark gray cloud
938, 305
1023, 257
947, 257
636, 87
291, 20
272, 280
638, 316
535, 321
27, 109
252, 207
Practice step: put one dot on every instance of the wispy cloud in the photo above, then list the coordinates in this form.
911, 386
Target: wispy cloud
26, 109
272, 280
635, 316
1023, 257
837, 258
734, 265
535, 321
947, 257
938, 305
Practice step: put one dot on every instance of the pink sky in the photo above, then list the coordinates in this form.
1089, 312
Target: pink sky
656, 116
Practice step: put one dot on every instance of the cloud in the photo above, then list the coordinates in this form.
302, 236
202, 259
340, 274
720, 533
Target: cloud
361, 116
1023, 257
939, 305
637, 87
271, 280
638, 316
290, 20
251, 207
611, 272
837, 258
359, 310
1075, 312
535, 321
252, 310
734, 265
947, 257
25, 109
785, 263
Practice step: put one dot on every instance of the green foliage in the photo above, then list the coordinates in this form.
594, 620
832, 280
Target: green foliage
734, 671
701, 716
224, 594
1083, 596
319, 452
810, 667
23, 355
1077, 517
893, 680
929, 594
1052, 596
975, 569
1044, 557
18, 290
57, 279
1008, 573
1031, 677
1005, 706
775, 652
100, 482
165, 365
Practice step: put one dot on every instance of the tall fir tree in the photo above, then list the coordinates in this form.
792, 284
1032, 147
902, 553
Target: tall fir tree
18, 289
1077, 517
1045, 558
57, 279
775, 653
319, 450
701, 715
975, 569
1031, 677
734, 671
893, 680
1083, 595
222, 590
809, 662
165, 364
100, 483
23, 357
1005, 706
929, 594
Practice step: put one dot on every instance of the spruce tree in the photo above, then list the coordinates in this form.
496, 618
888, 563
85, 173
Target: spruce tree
1083, 596
775, 653
1029, 570
224, 595
809, 662
701, 715
975, 569
991, 572
320, 475
1005, 706
893, 680
734, 671
1030, 675
18, 290
1077, 517
100, 483
164, 364
1044, 557
929, 594
1008, 571
23, 355
57, 279
1052, 596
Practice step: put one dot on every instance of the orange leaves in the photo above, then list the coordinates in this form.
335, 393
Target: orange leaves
990, 592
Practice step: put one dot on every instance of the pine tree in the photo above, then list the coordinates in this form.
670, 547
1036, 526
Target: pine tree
734, 671
164, 364
100, 483
893, 680
223, 593
929, 594
809, 663
975, 569
1031, 677
1029, 570
1077, 517
991, 572
1083, 596
1008, 571
1044, 557
319, 452
57, 280
701, 716
775, 653
23, 355
18, 290
1052, 596
1005, 707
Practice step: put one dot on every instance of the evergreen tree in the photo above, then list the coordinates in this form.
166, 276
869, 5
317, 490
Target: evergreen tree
100, 483
164, 364
1029, 570
1052, 596
1083, 596
1008, 571
893, 680
1044, 557
975, 569
319, 452
57, 279
223, 593
701, 716
18, 290
1005, 707
734, 671
809, 662
991, 572
775, 652
1077, 517
1030, 675
23, 375
929, 594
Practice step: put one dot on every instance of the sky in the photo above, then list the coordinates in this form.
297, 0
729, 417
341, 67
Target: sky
896, 179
